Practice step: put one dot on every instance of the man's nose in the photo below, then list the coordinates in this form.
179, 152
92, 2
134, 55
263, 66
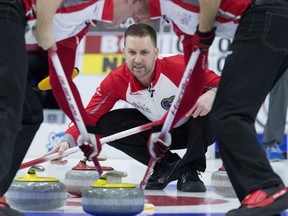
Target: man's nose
138, 58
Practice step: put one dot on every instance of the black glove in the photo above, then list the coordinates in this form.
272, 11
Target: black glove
203, 40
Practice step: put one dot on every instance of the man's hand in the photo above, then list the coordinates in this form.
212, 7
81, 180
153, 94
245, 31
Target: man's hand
63, 146
45, 38
203, 105
90, 148
159, 146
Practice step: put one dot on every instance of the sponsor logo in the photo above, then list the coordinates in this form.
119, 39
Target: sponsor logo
98, 91
54, 140
101, 63
135, 93
141, 106
182, 87
185, 19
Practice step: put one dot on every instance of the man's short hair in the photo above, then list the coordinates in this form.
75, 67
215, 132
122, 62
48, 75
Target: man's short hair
141, 30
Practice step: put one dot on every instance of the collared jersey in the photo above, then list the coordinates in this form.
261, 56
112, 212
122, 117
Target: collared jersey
184, 14
152, 102
72, 17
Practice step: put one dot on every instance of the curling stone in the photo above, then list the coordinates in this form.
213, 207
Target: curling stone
105, 199
221, 184
82, 176
34, 193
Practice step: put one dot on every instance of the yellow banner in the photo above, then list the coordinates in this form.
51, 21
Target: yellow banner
101, 63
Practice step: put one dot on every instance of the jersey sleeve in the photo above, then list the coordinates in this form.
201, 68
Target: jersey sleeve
101, 102
212, 80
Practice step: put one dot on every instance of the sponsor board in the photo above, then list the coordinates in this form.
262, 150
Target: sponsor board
101, 63
102, 53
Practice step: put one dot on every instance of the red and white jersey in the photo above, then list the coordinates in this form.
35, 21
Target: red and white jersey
184, 14
153, 102
71, 17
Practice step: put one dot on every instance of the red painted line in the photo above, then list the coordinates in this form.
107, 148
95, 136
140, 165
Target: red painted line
181, 201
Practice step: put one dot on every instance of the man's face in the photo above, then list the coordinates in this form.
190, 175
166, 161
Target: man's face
140, 54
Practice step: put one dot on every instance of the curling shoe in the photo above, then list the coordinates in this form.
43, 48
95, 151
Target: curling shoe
189, 181
265, 202
274, 153
5, 209
163, 174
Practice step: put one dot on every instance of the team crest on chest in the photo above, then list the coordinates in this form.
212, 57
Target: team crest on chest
166, 102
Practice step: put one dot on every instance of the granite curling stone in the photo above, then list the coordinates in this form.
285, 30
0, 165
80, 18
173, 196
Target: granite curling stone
34, 193
81, 176
105, 199
221, 184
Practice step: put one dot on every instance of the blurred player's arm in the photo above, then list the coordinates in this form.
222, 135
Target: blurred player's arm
45, 11
205, 32
208, 11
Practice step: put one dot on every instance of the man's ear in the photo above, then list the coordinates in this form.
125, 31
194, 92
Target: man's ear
157, 52
124, 52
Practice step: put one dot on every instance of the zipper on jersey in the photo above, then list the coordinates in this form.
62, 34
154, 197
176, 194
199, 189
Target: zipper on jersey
151, 91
